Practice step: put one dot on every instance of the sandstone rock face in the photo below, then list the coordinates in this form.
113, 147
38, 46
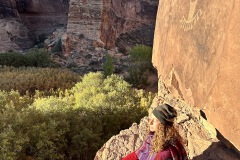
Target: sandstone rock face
84, 18
200, 135
130, 21
196, 52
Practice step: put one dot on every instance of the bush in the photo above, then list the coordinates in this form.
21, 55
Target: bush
113, 98
33, 58
141, 53
32, 79
140, 65
108, 66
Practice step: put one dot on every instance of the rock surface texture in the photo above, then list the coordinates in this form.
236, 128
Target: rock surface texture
200, 135
84, 18
196, 52
14, 33
7, 9
128, 22
43, 17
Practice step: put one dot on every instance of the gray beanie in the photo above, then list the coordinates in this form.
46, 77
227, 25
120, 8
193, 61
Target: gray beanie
165, 114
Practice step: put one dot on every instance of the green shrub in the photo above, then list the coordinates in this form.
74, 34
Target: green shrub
140, 65
33, 58
12, 59
141, 53
113, 98
32, 79
108, 66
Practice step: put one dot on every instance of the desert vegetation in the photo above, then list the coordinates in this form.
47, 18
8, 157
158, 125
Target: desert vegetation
47, 112
67, 123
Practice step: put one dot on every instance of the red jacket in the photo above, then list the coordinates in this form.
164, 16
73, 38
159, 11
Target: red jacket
175, 152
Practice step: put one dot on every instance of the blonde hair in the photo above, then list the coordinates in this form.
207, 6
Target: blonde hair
164, 136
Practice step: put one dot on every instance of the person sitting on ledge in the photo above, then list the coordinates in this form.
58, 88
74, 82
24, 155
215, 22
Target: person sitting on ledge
163, 141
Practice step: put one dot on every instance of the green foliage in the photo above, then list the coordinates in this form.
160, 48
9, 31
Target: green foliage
32, 79
113, 98
72, 125
15, 99
33, 58
108, 66
141, 53
140, 65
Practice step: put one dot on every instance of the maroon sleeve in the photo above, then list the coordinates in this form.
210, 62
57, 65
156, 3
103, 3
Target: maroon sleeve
131, 156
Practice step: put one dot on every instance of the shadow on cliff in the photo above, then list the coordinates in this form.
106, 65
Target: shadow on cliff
219, 151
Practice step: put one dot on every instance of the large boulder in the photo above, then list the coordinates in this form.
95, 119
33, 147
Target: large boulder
196, 52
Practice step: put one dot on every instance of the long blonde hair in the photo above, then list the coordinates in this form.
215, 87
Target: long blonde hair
164, 136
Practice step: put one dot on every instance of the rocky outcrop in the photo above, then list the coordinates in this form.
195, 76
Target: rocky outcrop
200, 135
124, 20
125, 142
196, 52
14, 35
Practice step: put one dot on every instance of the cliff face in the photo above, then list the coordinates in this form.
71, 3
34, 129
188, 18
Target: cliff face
24, 21
196, 52
43, 17
7, 9
14, 34
113, 23
92, 23
84, 18
128, 22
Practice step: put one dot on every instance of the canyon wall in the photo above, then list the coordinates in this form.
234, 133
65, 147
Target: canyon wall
128, 22
84, 18
196, 53
43, 17
14, 33
7, 9
113, 23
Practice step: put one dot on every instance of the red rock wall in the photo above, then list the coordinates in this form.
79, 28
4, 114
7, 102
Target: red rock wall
84, 18
122, 16
196, 52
